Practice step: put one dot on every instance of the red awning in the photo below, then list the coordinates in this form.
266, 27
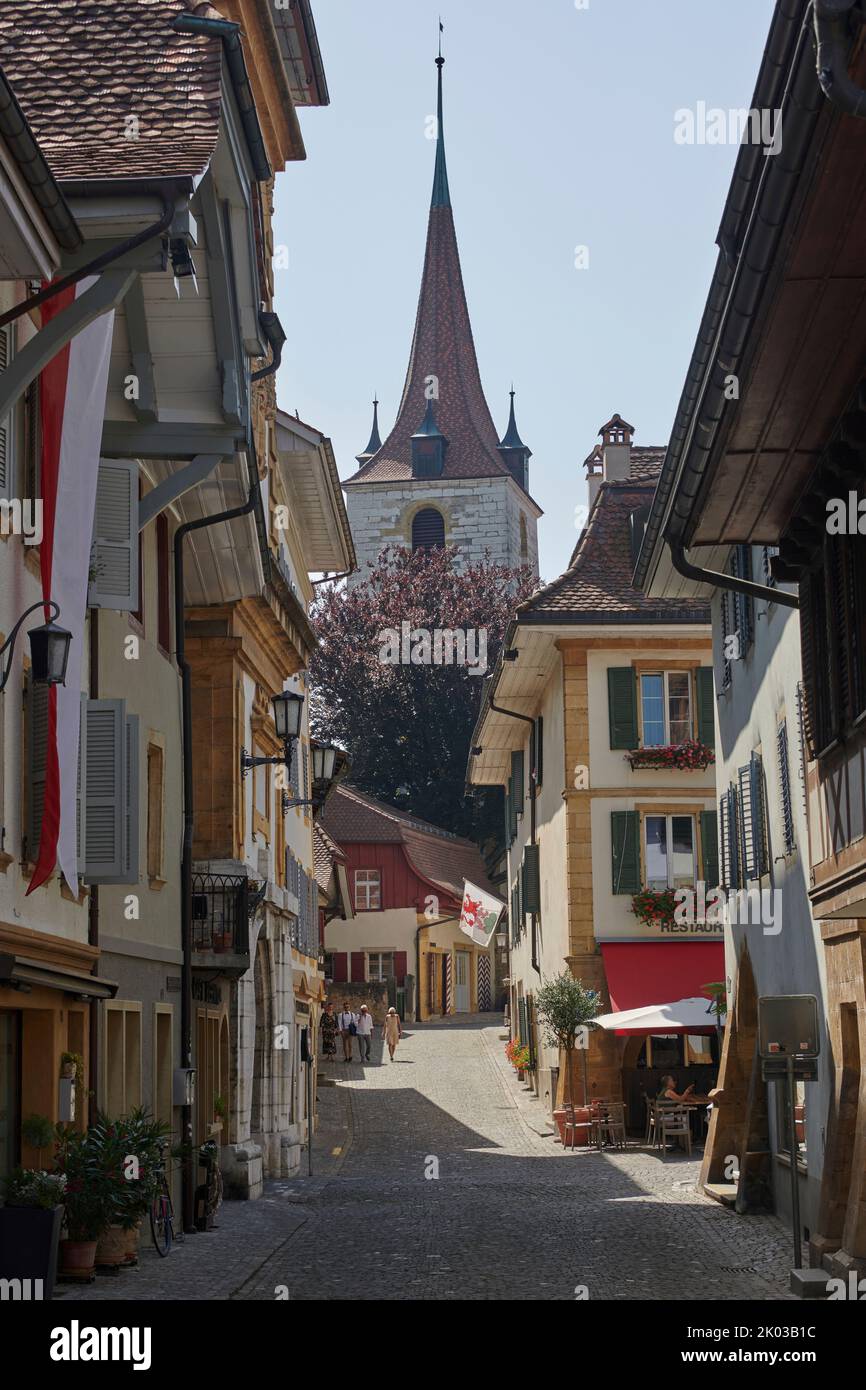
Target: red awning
660, 972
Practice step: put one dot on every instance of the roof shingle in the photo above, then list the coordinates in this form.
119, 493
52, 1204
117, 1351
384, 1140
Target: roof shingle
110, 90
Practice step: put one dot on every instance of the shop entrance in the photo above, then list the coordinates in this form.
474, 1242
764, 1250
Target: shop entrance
10, 1090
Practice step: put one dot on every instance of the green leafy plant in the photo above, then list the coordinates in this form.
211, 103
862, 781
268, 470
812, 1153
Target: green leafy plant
37, 1131
518, 1054
564, 1005
30, 1187
74, 1059
220, 1108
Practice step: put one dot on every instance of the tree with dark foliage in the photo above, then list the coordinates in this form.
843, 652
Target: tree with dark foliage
391, 679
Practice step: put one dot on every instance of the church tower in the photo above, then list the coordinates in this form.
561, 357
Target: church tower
442, 475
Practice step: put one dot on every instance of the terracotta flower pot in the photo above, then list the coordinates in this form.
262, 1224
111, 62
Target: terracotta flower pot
131, 1243
111, 1246
77, 1256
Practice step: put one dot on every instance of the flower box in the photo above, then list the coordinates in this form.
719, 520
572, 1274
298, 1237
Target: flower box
676, 757
654, 907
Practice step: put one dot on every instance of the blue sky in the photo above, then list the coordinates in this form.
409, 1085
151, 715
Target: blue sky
559, 129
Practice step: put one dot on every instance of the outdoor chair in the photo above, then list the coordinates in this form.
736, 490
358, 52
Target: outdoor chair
572, 1126
675, 1124
660, 1108
610, 1124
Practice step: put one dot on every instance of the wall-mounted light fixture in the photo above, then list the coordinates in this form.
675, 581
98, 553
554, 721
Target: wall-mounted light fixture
49, 648
324, 756
287, 718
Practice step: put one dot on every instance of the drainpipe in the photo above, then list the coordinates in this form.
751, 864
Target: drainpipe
188, 1170
93, 905
728, 581
527, 719
229, 32
93, 267
831, 32
273, 331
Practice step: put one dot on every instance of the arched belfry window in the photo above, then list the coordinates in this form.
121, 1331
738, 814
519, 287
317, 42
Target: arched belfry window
428, 529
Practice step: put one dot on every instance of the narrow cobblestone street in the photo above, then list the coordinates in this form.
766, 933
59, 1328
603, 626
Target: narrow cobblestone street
506, 1198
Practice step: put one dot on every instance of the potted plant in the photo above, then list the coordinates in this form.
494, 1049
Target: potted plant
687, 756
220, 1110
87, 1201
30, 1225
518, 1055
129, 1154
564, 1007
37, 1131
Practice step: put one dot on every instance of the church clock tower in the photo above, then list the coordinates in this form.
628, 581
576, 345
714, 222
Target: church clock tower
442, 475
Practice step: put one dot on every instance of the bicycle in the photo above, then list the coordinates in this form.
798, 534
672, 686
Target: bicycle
162, 1212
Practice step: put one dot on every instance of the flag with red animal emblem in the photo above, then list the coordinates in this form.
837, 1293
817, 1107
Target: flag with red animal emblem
480, 915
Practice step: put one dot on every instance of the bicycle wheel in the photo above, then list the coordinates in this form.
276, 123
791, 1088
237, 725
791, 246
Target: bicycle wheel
160, 1224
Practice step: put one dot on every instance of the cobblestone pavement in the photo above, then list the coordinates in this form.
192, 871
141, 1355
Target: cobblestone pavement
432, 1181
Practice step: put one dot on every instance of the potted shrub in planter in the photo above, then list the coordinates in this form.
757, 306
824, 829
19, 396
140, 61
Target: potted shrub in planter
128, 1150
37, 1131
87, 1201
564, 1007
518, 1055
30, 1225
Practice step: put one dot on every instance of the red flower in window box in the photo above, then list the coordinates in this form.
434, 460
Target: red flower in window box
683, 757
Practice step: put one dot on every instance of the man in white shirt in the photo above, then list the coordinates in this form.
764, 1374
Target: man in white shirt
364, 1028
346, 1022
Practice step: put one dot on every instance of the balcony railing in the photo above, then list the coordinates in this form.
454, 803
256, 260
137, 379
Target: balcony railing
221, 908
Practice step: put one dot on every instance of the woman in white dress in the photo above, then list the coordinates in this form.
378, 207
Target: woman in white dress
392, 1032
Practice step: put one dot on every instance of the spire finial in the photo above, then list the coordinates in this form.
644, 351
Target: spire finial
441, 194
374, 444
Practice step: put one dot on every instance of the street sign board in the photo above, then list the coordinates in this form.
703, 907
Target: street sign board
788, 1026
776, 1068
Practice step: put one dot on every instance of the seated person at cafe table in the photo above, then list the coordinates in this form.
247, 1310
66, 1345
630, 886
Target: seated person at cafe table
669, 1090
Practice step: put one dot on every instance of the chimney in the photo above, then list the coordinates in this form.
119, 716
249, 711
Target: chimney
616, 438
594, 473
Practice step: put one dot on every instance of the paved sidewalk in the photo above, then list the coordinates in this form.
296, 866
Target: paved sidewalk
438, 1176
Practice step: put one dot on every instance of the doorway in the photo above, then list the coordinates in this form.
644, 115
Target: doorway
461, 982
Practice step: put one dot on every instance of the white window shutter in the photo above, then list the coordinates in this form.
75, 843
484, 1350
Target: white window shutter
80, 799
37, 740
105, 791
114, 551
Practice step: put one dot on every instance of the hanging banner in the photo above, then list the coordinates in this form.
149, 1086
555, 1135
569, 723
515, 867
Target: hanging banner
480, 914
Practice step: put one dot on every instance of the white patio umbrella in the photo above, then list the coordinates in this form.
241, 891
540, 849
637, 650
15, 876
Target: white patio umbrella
683, 1016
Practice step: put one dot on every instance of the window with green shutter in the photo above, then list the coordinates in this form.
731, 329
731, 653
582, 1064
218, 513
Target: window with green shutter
625, 847
622, 706
706, 706
518, 782
539, 750
710, 847
531, 875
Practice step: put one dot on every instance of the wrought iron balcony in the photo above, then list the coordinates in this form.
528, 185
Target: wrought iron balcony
222, 905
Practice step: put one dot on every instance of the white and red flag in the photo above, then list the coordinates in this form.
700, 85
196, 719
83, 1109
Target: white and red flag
480, 913
72, 397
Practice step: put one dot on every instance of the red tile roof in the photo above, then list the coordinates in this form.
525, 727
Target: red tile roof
90, 73
352, 817
326, 853
597, 586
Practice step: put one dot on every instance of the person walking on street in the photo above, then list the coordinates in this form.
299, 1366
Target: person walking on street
347, 1026
364, 1026
392, 1031
329, 1031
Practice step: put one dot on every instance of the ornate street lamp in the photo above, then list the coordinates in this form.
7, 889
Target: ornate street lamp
287, 718
49, 648
324, 764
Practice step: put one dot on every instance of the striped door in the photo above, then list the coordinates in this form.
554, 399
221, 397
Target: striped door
484, 999
448, 1002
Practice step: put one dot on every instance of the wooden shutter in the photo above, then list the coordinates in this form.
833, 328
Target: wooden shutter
785, 786
759, 818
115, 548
359, 968
163, 583
725, 609
105, 827
37, 740
80, 798
625, 845
807, 650
539, 750
400, 966
752, 819
515, 924
6, 442
622, 706
744, 604
519, 782
706, 706
710, 848
508, 836
531, 872
305, 769
340, 962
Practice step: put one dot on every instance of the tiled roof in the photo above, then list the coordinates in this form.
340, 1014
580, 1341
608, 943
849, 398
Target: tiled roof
442, 346
325, 854
353, 817
597, 586
109, 90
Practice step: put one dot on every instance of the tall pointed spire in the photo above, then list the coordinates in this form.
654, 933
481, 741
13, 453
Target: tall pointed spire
515, 454
374, 443
443, 367
441, 193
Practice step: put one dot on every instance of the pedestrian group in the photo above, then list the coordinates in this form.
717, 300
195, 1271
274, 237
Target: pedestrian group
349, 1024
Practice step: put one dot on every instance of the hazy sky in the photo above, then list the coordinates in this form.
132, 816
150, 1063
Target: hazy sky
559, 131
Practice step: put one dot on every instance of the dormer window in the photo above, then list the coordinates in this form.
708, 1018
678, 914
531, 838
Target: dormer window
428, 447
